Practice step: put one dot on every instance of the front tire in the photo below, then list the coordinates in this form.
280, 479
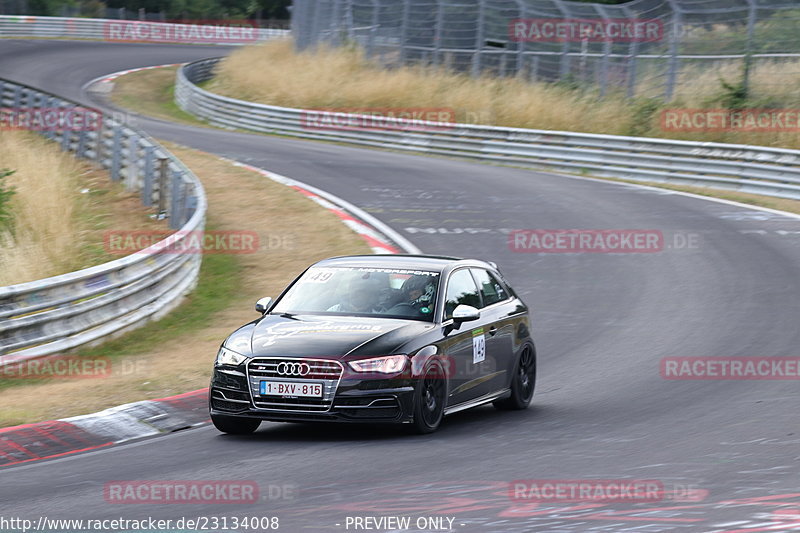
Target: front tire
233, 425
430, 400
522, 384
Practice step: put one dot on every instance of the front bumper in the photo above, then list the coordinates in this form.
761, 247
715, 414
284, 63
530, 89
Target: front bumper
353, 400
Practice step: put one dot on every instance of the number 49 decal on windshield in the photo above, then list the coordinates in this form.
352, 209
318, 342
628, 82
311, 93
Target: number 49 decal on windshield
478, 346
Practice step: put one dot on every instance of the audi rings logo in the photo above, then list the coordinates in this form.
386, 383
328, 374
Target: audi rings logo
293, 369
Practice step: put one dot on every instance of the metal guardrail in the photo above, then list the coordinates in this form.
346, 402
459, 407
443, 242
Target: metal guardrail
122, 30
744, 168
56, 314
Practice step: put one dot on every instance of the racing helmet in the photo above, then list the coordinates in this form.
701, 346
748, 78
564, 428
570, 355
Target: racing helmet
424, 284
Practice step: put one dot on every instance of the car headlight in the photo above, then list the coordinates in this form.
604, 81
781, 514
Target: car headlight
229, 357
391, 364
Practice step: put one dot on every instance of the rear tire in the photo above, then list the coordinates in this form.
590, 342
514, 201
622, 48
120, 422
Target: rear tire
522, 384
234, 425
431, 396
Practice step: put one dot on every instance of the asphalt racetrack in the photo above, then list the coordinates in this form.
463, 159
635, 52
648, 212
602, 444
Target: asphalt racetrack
726, 284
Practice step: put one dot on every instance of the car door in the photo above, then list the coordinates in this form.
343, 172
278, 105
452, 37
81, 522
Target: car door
466, 346
498, 314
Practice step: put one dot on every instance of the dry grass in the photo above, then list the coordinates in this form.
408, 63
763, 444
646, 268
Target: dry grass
772, 81
61, 210
43, 208
182, 362
273, 73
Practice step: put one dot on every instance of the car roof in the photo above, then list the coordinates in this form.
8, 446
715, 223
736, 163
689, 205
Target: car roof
404, 261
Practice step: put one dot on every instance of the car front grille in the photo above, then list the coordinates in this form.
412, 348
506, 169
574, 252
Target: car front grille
299, 370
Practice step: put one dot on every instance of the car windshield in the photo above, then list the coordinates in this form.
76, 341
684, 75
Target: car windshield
363, 291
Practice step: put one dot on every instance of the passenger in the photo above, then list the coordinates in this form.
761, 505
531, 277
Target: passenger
362, 297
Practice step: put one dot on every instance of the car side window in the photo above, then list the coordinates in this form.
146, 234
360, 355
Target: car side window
491, 289
461, 289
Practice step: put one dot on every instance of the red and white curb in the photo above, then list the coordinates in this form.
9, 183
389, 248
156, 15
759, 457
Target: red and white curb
58, 438
116, 75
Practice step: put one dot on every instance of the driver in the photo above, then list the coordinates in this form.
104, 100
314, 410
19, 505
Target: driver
418, 292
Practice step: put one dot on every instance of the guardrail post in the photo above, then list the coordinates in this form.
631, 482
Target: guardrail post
149, 172
184, 200
82, 138
190, 207
94, 140
163, 163
41, 103
116, 156
17, 96
132, 166
176, 204
66, 137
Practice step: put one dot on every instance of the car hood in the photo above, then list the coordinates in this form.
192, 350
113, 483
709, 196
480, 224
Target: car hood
324, 336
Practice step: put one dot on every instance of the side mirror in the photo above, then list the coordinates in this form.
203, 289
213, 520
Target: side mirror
465, 313
262, 306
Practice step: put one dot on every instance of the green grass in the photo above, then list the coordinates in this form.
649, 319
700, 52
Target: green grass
217, 289
152, 93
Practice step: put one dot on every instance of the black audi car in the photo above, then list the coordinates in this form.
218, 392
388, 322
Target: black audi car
378, 339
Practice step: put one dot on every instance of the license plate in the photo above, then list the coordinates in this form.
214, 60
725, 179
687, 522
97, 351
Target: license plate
291, 388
